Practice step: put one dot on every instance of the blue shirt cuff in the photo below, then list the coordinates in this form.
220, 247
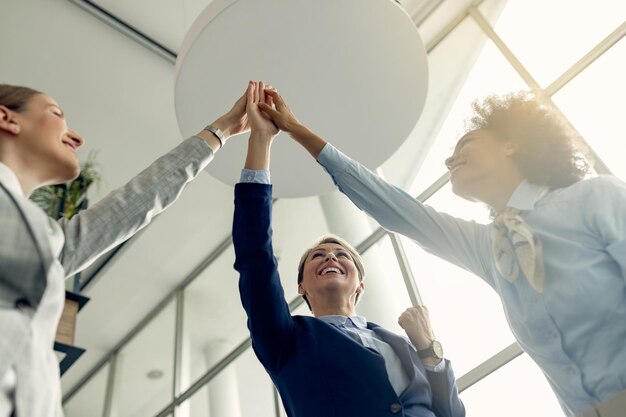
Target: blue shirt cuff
261, 176
332, 159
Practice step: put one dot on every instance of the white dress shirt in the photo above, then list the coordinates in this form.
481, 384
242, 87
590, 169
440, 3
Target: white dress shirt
36, 354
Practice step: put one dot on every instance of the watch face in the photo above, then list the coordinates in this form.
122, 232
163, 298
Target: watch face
438, 349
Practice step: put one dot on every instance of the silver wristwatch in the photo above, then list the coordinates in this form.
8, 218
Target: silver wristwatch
217, 132
435, 350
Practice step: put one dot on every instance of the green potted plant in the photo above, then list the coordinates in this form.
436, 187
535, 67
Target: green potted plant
65, 200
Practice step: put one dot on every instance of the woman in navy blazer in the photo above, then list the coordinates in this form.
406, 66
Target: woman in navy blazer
333, 364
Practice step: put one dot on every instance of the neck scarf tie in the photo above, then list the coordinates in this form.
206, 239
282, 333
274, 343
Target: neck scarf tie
527, 249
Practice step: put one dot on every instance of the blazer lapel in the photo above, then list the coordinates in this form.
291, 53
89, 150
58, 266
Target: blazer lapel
399, 345
25, 226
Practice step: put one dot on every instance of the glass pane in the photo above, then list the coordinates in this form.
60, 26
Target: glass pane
249, 383
255, 387
297, 223
548, 37
385, 296
518, 389
449, 64
593, 103
242, 389
491, 74
466, 313
89, 401
214, 321
145, 368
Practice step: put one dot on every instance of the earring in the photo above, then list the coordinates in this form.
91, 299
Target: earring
16, 129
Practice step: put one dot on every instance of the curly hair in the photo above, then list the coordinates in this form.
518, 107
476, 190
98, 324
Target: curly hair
16, 97
549, 151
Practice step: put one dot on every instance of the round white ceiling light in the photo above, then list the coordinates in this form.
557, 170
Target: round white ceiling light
354, 71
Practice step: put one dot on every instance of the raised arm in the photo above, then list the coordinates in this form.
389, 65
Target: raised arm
262, 296
450, 238
416, 323
125, 211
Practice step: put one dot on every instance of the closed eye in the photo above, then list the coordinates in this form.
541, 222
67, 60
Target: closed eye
57, 112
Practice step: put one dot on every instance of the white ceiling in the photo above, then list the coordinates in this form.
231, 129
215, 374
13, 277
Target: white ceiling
119, 96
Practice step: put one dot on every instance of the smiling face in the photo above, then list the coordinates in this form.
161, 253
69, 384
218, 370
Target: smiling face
36, 142
329, 273
480, 165
46, 143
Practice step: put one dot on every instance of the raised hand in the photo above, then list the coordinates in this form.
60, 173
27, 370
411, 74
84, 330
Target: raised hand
280, 113
282, 116
259, 120
235, 121
262, 129
416, 323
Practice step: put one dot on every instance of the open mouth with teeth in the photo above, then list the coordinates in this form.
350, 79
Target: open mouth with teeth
331, 270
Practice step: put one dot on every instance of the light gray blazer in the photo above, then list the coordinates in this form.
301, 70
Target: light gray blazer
25, 254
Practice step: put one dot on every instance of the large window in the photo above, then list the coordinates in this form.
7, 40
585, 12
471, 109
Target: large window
90, 399
517, 390
144, 369
593, 103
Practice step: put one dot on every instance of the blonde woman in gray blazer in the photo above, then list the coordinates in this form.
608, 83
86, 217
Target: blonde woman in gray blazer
36, 253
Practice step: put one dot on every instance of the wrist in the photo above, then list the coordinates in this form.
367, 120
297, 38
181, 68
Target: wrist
434, 350
211, 139
262, 135
258, 156
297, 131
225, 126
431, 361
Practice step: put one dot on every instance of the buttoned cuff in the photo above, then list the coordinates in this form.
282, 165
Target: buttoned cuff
261, 176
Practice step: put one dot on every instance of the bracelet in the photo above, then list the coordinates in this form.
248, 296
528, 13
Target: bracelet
218, 134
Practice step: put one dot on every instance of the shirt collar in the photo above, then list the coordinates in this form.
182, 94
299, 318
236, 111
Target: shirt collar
357, 321
526, 196
9, 179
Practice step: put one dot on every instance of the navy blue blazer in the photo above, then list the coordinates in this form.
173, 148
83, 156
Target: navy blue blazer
318, 370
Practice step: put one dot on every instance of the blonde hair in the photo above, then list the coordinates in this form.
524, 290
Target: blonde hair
330, 238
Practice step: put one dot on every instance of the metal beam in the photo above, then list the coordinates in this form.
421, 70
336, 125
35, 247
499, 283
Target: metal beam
504, 49
178, 344
107, 409
126, 29
587, 60
405, 270
491, 365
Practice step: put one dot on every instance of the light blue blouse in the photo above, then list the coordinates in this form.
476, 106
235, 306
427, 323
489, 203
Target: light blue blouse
576, 329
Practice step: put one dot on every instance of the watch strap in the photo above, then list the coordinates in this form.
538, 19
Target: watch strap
430, 351
217, 132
